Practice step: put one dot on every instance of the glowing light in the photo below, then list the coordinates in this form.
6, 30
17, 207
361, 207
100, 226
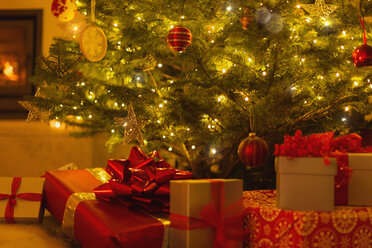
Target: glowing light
337, 74
298, 6
122, 104
160, 105
305, 101
308, 20
75, 108
223, 70
172, 134
171, 82
139, 18
347, 109
249, 59
116, 104
212, 41
187, 129
115, 24
319, 98
112, 131
61, 105
75, 28
342, 47
90, 116
264, 73
327, 23
158, 121
314, 41
82, 84
160, 65
344, 119
57, 124
170, 149
164, 136
182, 17
229, 8
246, 99
213, 151
193, 147
344, 33
172, 26
356, 83
138, 78
78, 117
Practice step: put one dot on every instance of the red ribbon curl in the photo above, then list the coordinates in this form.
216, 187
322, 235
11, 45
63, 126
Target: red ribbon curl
12, 201
141, 180
228, 229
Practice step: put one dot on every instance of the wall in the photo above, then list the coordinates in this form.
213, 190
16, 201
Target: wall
30, 150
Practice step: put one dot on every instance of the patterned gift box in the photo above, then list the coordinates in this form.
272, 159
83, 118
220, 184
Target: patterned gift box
270, 226
20, 199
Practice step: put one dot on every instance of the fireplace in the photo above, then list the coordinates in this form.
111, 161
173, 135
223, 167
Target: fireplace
20, 44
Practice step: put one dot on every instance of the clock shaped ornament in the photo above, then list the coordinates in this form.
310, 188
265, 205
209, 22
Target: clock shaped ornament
93, 43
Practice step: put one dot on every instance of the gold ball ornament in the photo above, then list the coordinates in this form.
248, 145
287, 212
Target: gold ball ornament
93, 43
64, 10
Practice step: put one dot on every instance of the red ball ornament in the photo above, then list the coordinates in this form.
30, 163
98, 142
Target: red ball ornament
362, 56
64, 10
179, 38
253, 151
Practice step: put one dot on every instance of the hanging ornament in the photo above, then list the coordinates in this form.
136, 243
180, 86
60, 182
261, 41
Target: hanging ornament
253, 151
93, 43
247, 18
179, 38
319, 8
362, 56
132, 127
64, 10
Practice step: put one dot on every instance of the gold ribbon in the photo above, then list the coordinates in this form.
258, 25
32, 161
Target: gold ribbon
73, 201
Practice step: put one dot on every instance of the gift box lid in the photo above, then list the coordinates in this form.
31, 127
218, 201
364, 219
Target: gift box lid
360, 161
305, 165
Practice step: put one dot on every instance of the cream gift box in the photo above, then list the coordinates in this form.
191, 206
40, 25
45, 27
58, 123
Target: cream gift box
27, 198
188, 198
305, 183
360, 186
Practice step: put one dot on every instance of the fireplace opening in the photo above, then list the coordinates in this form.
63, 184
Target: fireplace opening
20, 45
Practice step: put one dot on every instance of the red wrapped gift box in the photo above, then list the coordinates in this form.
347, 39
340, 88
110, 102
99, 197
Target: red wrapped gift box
270, 226
95, 223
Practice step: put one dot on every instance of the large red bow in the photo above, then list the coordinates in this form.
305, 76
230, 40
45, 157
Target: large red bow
12, 201
228, 229
141, 180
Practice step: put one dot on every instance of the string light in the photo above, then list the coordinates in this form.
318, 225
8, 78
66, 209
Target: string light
160, 105
356, 83
193, 147
160, 65
213, 151
172, 134
112, 131
164, 136
90, 116
122, 104
343, 119
229, 8
170, 149
347, 109
223, 70
246, 99
115, 24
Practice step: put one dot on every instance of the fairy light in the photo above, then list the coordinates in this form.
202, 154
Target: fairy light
78, 117
187, 129
344, 119
75, 107
326, 23
76, 28
57, 124
347, 109
342, 47
85, 13
112, 131
90, 116
305, 101
171, 134
123, 104
212, 41
172, 26
193, 147
224, 70
95, 101
161, 105
115, 104
314, 41
298, 6
308, 20
229, 8
61, 105
249, 59
344, 33
139, 18
337, 74
183, 17
246, 99
158, 121
82, 84
160, 65
264, 73
138, 78
356, 83
170, 149
164, 136
153, 90
213, 151
115, 24
171, 82
319, 98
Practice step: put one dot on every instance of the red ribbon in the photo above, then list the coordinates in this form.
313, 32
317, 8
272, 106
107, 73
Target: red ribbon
141, 180
228, 229
12, 201
364, 31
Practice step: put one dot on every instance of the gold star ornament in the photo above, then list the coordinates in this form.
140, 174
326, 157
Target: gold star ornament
132, 127
319, 8
35, 113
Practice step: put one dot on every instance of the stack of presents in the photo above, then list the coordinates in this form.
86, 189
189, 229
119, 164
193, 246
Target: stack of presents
324, 190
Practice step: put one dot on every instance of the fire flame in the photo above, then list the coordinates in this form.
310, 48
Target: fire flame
8, 69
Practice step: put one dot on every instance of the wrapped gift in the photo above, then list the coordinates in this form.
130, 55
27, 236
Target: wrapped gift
300, 150
206, 213
20, 199
96, 205
95, 223
270, 226
305, 183
359, 188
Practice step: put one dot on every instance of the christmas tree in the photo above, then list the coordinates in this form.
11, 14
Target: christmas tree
194, 78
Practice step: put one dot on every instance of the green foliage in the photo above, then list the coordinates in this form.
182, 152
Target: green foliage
293, 73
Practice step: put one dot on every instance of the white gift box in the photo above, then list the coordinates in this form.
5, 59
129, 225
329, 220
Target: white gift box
305, 183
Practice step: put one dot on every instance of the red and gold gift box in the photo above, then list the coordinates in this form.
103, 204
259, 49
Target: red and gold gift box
96, 223
20, 199
206, 213
270, 226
